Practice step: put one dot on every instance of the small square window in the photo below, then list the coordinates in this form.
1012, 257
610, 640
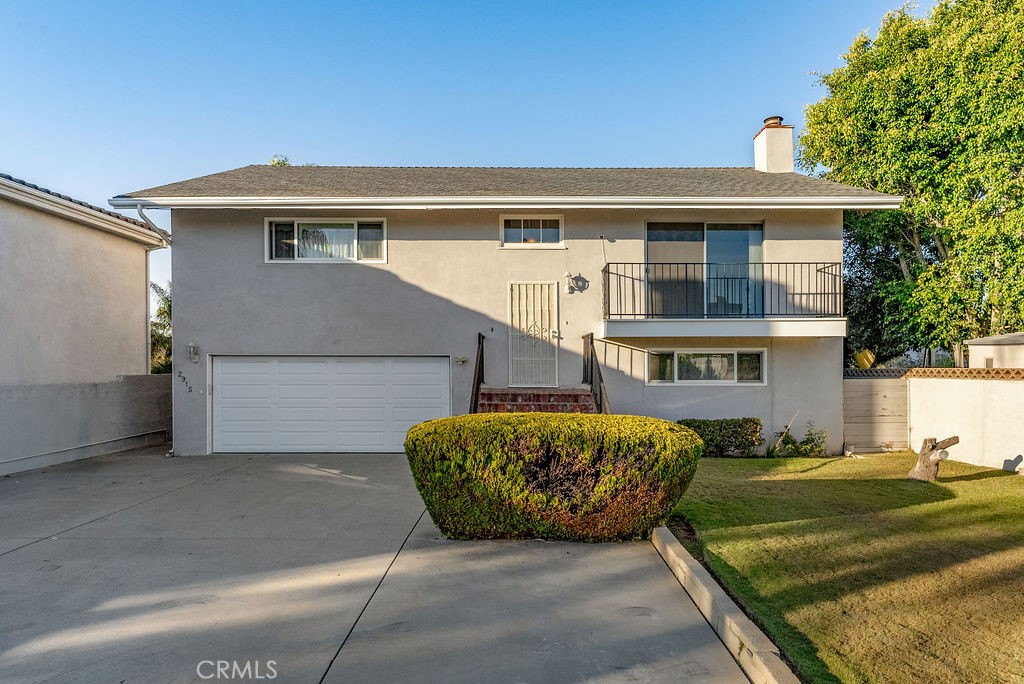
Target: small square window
660, 367
748, 367
282, 241
371, 240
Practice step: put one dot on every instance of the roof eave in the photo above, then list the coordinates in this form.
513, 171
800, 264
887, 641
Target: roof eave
57, 206
508, 202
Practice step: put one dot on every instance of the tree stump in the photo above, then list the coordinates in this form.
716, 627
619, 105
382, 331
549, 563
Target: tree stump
932, 454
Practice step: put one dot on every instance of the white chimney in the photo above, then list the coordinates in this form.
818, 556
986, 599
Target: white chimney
773, 147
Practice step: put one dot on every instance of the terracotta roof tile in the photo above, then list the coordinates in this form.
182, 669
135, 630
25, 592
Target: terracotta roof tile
100, 210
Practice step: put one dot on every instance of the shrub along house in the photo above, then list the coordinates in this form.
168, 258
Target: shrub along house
330, 308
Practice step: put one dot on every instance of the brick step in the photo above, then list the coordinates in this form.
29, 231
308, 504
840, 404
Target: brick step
536, 395
543, 399
489, 407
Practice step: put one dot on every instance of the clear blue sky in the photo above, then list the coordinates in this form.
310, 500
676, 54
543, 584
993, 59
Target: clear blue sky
102, 98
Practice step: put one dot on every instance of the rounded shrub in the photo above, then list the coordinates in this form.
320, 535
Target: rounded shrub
572, 477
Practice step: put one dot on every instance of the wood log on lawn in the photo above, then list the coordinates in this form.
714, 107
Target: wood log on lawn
932, 454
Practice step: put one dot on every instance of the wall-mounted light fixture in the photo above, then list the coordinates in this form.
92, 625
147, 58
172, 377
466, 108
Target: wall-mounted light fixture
575, 283
193, 352
461, 360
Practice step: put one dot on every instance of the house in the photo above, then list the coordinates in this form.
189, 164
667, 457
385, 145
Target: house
330, 308
998, 351
74, 300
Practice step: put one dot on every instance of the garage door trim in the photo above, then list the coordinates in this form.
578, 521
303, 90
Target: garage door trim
443, 405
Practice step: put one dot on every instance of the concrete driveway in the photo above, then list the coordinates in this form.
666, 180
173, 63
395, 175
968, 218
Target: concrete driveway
314, 568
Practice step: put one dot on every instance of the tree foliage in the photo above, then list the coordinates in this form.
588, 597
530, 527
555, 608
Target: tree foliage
160, 331
932, 109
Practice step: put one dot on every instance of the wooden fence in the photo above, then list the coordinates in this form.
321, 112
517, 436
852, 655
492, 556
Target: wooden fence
875, 410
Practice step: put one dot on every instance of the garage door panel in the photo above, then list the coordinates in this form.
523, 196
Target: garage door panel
230, 390
247, 439
247, 414
368, 366
288, 414
247, 367
413, 392
367, 440
360, 414
293, 404
412, 414
307, 439
297, 391
300, 367
360, 395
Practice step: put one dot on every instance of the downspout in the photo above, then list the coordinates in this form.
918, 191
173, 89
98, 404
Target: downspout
152, 226
166, 237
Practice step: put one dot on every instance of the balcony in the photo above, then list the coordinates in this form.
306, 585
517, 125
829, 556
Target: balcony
788, 299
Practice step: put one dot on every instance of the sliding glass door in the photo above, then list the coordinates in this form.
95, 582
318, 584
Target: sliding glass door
697, 270
735, 274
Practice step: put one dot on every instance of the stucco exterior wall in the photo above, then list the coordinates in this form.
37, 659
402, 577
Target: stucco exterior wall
447, 279
1002, 355
47, 424
804, 374
73, 301
985, 414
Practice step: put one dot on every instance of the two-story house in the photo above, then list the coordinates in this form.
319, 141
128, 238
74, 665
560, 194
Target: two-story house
323, 308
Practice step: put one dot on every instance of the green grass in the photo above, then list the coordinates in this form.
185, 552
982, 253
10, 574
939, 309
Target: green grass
860, 575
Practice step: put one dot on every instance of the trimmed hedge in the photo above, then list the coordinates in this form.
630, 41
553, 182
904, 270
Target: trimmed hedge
572, 477
727, 436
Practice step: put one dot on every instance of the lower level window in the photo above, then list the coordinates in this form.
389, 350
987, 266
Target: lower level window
326, 240
741, 366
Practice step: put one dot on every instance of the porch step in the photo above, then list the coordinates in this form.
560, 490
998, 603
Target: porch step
544, 399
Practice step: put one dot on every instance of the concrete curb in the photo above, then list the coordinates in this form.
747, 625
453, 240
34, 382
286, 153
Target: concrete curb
754, 651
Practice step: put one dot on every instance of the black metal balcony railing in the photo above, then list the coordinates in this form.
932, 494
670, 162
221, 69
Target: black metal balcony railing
751, 290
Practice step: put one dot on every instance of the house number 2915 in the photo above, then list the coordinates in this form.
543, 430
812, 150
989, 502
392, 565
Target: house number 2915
185, 380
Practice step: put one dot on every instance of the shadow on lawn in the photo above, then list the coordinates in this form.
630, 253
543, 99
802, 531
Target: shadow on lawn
981, 475
815, 550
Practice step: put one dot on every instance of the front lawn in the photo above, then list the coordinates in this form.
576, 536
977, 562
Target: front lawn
862, 576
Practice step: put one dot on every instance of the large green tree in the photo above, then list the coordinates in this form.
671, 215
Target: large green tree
932, 108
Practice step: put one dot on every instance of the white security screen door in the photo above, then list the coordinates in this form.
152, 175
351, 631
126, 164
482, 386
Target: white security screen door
533, 335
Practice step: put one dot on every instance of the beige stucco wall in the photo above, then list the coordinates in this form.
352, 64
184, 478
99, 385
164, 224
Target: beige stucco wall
1002, 355
73, 301
985, 414
447, 279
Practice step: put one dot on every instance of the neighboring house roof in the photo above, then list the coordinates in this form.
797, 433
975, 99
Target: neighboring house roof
471, 187
999, 340
44, 199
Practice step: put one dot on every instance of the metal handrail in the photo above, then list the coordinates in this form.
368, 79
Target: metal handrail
592, 375
719, 290
478, 375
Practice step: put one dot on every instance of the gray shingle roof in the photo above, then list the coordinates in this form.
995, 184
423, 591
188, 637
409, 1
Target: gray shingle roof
396, 181
107, 212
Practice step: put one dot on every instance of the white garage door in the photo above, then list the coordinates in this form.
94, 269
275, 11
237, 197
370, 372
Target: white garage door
324, 403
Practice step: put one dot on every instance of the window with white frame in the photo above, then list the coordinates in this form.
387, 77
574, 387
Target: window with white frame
707, 366
531, 231
325, 240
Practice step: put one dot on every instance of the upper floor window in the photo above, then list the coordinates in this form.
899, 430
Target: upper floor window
531, 231
326, 240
